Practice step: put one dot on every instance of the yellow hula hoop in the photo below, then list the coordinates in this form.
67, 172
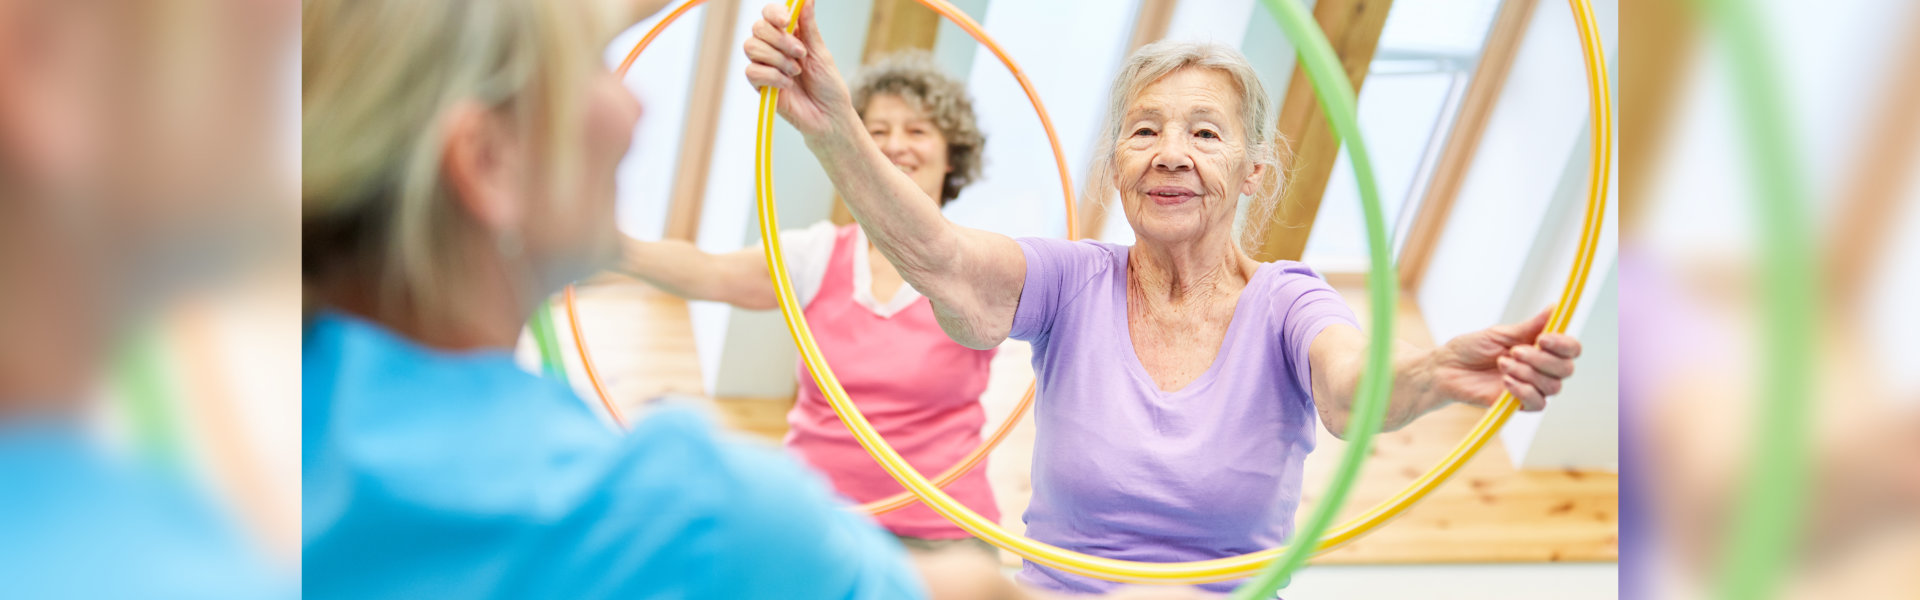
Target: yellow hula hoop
1207, 570
979, 453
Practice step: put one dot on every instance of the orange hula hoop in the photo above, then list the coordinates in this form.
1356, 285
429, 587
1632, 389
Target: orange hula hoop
979, 454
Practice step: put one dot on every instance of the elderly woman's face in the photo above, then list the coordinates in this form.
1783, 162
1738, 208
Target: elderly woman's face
1182, 161
910, 140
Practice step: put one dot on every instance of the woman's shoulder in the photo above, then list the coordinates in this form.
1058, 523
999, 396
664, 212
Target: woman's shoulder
1090, 253
1290, 286
1288, 274
382, 407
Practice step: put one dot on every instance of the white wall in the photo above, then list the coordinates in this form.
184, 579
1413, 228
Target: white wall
662, 79
1507, 247
1069, 50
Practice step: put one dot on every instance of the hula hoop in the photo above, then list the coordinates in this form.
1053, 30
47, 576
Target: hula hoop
1000, 432
1329, 82
1759, 548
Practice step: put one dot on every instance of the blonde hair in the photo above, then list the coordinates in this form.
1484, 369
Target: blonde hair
913, 76
377, 80
1157, 60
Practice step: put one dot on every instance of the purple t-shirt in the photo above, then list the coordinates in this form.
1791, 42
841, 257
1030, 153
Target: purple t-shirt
1124, 470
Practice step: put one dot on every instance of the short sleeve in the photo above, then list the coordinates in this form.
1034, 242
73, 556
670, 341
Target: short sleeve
807, 252
1305, 305
1057, 270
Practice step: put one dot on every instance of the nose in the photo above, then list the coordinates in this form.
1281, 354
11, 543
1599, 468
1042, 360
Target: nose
891, 143
1173, 154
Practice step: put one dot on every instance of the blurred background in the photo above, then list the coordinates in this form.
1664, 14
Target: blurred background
149, 299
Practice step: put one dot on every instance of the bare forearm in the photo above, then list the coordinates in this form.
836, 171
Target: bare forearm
1337, 384
896, 215
683, 269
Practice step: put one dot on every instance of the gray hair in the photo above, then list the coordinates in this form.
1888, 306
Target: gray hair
1157, 60
913, 76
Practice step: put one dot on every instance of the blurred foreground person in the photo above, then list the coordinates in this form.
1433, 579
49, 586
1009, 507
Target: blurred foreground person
458, 168
92, 239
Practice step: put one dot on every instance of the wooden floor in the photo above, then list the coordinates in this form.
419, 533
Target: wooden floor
642, 342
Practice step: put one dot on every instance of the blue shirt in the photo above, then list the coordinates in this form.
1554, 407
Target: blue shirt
431, 474
76, 522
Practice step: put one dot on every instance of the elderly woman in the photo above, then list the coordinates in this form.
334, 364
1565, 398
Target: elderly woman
920, 388
1180, 379
458, 167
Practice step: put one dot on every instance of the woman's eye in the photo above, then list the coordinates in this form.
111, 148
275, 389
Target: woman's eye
1207, 134
1142, 131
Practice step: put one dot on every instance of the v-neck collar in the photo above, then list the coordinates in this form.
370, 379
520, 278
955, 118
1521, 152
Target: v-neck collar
863, 282
1139, 368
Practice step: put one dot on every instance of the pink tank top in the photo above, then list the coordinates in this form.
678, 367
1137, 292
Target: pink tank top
919, 388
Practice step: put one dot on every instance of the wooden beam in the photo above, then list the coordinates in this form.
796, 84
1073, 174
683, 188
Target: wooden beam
1463, 139
1149, 25
899, 25
1660, 45
710, 75
1871, 197
895, 25
1353, 27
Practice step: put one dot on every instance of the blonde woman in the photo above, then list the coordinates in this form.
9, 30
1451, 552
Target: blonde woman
920, 388
459, 167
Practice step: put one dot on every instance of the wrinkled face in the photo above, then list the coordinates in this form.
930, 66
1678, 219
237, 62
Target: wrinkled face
577, 235
1182, 160
910, 140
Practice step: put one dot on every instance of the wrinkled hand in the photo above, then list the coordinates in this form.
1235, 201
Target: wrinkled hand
812, 94
1476, 367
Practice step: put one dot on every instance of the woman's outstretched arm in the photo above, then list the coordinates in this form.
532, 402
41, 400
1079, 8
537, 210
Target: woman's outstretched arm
1474, 368
683, 269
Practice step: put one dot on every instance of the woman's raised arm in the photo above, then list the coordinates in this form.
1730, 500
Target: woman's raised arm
972, 277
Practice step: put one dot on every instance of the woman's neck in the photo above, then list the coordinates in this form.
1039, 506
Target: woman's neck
1180, 273
477, 308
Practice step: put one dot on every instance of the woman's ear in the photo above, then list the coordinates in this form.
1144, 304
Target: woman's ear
478, 160
1252, 184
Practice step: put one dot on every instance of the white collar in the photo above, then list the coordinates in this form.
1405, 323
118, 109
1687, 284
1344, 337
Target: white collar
863, 282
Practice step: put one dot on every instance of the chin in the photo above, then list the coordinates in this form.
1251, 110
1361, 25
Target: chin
1169, 230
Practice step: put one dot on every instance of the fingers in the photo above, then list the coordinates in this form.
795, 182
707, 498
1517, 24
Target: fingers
764, 76
1547, 363
1524, 331
1530, 399
775, 14
808, 29
1560, 344
775, 55
759, 53
775, 35
1546, 385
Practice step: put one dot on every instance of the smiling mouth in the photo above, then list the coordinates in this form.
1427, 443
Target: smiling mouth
1170, 195
908, 169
